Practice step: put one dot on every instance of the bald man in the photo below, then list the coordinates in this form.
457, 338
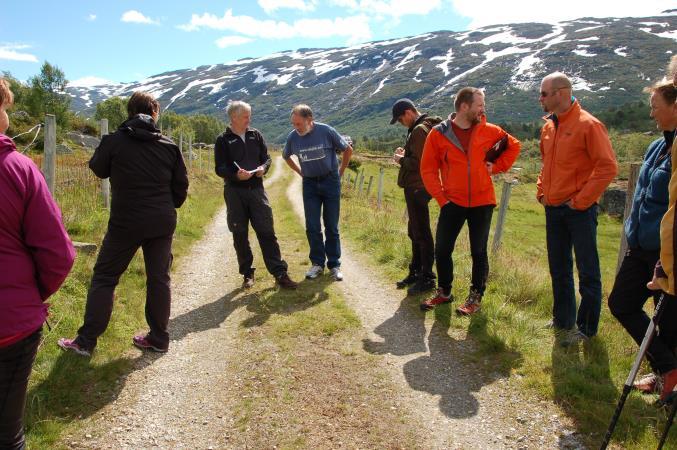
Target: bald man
578, 165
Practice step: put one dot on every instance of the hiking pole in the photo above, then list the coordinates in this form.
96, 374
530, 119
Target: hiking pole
648, 336
668, 424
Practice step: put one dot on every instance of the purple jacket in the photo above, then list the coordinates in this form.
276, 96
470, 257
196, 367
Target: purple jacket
36, 253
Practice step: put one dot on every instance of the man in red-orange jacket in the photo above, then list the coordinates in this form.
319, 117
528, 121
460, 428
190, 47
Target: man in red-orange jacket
459, 157
578, 165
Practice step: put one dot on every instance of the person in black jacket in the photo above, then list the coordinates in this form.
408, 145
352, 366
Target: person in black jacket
418, 125
148, 181
241, 159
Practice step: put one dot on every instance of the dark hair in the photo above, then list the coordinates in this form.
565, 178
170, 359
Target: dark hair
665, 89
303, 111
142, 103
466, 96
6, 96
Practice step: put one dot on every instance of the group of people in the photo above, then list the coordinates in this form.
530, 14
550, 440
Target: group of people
449, 160
453, 160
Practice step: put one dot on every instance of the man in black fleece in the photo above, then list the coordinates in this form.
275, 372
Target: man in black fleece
241, 159
148, 181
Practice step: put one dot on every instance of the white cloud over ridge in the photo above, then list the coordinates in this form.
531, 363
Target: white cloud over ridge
390, 8
133, 16
494, 12
10, 52
90, 82
91, 17
354, 28
231, 41
270, 6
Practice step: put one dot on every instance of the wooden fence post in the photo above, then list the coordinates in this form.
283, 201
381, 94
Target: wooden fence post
357, 177
361, 183
105, 183
629, 193
502, 211
49, 158
371, 179
190, 153
379, 198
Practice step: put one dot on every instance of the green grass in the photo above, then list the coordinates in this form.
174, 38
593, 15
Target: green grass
517, 304
65, 388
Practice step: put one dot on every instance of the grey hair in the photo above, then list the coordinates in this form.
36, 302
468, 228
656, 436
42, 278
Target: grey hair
303, 111
237, 107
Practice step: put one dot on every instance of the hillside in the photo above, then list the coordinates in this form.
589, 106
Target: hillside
353, 88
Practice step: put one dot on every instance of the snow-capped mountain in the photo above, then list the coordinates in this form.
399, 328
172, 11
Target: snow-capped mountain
610, 61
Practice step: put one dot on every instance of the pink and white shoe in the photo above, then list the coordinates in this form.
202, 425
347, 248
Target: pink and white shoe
71, 345
143, 343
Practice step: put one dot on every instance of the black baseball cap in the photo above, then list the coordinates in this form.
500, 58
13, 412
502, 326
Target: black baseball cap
400, 107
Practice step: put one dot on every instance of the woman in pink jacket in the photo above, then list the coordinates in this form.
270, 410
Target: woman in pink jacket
35, 258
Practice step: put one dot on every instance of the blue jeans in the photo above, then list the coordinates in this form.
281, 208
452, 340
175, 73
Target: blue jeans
568, 228
322, 198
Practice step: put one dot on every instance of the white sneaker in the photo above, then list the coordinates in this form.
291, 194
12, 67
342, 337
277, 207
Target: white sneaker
314, 272
336, 274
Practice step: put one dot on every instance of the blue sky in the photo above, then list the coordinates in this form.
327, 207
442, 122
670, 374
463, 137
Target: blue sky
121, 40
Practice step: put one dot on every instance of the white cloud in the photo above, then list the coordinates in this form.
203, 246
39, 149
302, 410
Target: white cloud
391, 8
89, 82
355, 28
501, 11
133, 16
9, 52
270, 6
231, 41
91, 17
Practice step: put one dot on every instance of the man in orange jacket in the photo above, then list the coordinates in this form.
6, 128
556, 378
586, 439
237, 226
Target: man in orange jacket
578, 165
459, 157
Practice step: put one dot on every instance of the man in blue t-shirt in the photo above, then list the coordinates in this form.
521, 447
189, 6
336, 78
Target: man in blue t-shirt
316, 146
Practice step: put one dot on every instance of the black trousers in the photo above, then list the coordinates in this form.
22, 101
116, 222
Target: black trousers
117, 250
452, 218
245, 206
16, 362
627, 299
418, 229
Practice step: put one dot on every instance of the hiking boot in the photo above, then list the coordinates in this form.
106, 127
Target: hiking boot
472, 304
248, 282
648, 384
71, 345
408, 280
143, 343
438, 299
573, 337
423, 284
669, 391
336, 273
314, 272
285, 282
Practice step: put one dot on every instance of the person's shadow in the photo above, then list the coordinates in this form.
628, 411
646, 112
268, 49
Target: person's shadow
207, 316
403, 333
76, 389
581, 381
285, 301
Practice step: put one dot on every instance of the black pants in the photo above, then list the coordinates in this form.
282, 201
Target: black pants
117, 250
16, 362
422, 246
627, 299
245, 206
452, 218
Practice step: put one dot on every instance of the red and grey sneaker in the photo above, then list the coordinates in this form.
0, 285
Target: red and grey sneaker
472, 304
143, 343
438, 299
71, 345
648, 384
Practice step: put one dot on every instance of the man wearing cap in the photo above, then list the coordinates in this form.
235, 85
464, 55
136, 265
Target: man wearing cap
420, 277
